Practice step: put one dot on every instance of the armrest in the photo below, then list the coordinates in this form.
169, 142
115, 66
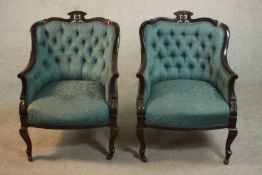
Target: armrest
112, 93
111, 90
33, 79
23, 76
23, 73
225, 83
140, 103
227, 77
29, 87
144, 88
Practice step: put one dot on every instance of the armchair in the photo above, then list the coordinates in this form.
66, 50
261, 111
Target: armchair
185, 82
70, 81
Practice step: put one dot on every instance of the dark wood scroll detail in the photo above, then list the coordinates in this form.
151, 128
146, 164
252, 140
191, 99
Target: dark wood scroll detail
183, 16
77, 16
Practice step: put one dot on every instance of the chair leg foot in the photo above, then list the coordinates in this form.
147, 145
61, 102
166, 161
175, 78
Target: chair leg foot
140, 136
25, 136
143, 157
232, 133
113, 134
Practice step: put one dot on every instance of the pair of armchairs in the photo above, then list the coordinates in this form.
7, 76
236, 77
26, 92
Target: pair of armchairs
185, 82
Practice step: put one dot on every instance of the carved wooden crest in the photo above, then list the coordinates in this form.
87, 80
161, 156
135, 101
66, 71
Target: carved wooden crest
183, 16
77, 16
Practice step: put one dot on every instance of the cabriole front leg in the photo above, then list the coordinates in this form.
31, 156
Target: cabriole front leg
24, 129
142, 149
24, 134
140, 136
232, 130
114, 129
113, 134
232, 133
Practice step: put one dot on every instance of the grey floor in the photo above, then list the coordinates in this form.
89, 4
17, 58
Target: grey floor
84, 151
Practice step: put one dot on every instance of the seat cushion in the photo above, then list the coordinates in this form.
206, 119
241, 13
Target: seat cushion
186, 104
69, 103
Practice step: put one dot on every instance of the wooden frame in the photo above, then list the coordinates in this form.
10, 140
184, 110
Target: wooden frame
75, 17
185, 17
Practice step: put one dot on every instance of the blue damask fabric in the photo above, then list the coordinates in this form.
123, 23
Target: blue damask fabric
186, 103
69, 103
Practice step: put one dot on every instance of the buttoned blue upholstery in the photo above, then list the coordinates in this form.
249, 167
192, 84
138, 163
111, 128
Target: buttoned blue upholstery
186, 84
71, 51
184, 51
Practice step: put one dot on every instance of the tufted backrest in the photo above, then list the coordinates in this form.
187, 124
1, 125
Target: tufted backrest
182, 51
71, 51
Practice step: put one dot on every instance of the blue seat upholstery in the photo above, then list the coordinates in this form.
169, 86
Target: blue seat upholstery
69, 103
186, 104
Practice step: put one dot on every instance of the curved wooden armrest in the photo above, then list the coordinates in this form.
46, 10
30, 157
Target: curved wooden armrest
224, 54
140, 104
113, 86
113, 95
228, 68
232, 100
114, 73
113, 92
113, 104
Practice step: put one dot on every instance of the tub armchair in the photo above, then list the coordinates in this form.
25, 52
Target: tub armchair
70, 81
185, 82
